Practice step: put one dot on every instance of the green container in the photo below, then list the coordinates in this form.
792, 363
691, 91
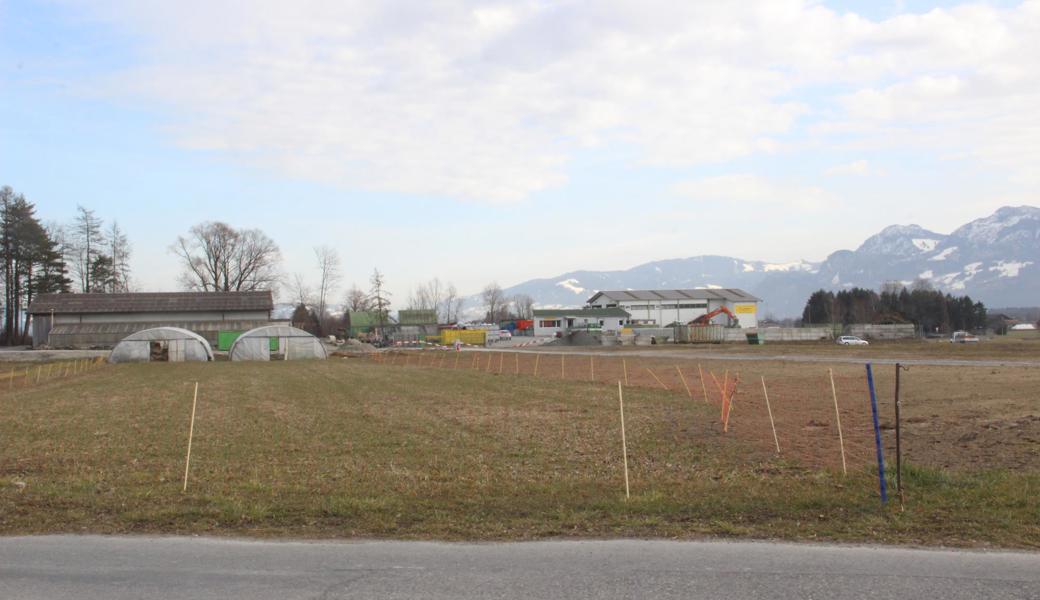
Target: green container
226, 338
754, 339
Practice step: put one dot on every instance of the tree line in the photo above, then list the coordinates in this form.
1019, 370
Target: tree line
33, 262
85, 255
39, 258
927, 309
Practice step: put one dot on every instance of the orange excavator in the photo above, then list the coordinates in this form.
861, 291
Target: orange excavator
705, 319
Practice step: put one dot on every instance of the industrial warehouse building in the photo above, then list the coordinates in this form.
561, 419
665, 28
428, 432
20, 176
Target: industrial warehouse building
664, 307
102, 320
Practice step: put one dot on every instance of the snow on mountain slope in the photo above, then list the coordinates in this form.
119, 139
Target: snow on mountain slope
995, 259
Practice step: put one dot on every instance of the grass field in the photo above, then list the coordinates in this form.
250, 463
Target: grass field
354, 448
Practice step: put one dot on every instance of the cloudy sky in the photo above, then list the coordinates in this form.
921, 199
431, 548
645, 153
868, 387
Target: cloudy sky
479, 141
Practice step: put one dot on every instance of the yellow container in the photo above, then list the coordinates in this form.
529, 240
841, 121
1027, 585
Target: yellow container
474, 337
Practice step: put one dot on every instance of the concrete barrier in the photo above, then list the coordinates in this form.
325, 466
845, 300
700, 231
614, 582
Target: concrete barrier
883, 332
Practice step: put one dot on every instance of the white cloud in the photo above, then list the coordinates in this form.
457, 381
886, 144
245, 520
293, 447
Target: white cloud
489, 101
857, 167
744, 188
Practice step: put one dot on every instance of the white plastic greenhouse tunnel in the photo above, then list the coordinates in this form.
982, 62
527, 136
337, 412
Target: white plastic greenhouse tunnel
162, 344
277, 342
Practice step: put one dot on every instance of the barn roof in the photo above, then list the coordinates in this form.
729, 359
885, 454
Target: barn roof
152, 302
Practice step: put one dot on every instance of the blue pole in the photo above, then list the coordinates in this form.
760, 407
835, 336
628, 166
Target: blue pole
877, 435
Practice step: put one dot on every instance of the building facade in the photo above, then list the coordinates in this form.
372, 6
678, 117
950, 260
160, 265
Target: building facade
550, 322
665, 307
102, 320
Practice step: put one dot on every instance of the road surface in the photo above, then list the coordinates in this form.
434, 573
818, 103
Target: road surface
113, 568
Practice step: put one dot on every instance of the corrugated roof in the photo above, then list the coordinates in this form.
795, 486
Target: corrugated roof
732, 294
582, 312
152, 302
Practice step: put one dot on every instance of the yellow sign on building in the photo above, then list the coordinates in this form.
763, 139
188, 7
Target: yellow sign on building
745, 309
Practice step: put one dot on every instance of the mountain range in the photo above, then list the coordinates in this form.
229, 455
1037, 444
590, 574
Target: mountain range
995, 259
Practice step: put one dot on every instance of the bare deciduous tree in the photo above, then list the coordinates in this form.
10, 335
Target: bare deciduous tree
452, 304
357, 299
328, 278
87, 242
495, 301
119, 248
300, 290
220, 258
524, 306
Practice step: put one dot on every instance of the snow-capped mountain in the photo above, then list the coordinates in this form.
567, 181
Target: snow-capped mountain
995, 259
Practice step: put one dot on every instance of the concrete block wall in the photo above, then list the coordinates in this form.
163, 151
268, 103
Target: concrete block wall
883, 332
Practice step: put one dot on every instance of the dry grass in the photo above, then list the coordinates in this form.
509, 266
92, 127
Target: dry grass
347, 448
995, 348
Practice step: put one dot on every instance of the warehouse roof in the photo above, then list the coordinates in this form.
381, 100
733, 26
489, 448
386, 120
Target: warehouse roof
582, 312
152, 302
731, 294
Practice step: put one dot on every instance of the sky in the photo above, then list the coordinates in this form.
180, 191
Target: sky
503, 141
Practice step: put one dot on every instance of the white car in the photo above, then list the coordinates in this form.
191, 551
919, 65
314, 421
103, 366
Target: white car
851, 340
963, 337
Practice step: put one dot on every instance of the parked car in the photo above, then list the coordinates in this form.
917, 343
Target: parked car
851, 340
963, 337
505, 334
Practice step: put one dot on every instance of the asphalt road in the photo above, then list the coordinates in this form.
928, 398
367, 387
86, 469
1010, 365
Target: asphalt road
112, 568
800, 358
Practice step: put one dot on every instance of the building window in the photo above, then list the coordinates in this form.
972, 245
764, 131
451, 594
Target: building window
695, 305
549, 324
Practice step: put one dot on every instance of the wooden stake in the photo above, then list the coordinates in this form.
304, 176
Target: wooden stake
10, 382
624, 367
458, 355
488, 367
770, 411
624, 443
683, 378
537, 357
476, 361
516, 367
563, 369
704, 388
27, 376
501, 361
592, 368
39, 370
191, 434
66, 370
654, 375
837, 415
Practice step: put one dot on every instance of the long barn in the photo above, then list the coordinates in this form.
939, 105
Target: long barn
102, 320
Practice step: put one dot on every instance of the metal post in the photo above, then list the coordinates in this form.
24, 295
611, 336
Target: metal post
877, 435
899, 446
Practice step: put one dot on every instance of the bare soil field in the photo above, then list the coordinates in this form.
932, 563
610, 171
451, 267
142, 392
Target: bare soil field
995, 348
409, 445
952, 417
